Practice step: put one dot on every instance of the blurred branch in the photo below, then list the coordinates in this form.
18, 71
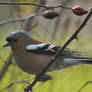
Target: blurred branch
4, 68
18, 20
28, 24
13, 83
18, 3
28, 20
74, 36
38, 5
88, 82
41, 2
11, 21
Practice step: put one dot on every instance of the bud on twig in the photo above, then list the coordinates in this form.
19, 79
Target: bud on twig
79, 11
50, 14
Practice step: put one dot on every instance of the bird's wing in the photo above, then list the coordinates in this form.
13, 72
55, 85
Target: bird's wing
68, 56
49, 49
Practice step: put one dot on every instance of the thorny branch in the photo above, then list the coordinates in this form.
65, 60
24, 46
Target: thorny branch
74, 36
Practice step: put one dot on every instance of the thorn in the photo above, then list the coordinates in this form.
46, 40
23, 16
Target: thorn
77, 38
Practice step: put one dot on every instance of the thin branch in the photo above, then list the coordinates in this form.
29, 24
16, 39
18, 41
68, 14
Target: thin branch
13, 83
11, 21
88, 82
28, 24
4, 68
29, 18
34, 4
18, 3
74, 36
18, 20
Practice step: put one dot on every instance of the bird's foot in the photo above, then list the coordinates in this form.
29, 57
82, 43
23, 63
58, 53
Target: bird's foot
45, 77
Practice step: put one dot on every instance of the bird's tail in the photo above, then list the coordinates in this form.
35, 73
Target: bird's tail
77, 60
85, 60
73, 61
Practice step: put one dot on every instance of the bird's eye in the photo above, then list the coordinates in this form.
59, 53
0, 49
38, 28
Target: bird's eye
15, 40
9, 39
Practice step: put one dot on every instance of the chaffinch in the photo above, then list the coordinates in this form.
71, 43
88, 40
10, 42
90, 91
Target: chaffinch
32, 55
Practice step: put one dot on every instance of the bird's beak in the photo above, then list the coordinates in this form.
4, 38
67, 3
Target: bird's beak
7, 44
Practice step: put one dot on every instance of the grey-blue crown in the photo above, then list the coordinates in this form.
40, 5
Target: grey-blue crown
20, 33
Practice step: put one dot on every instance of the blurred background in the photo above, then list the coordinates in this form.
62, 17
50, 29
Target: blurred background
55, 31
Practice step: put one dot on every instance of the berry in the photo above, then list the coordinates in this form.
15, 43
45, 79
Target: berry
50, 14
79, 11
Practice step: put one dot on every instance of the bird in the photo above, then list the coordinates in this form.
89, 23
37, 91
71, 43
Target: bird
32, 55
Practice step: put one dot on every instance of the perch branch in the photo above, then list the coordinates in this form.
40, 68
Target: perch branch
74, 36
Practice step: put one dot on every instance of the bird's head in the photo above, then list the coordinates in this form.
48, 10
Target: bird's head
18, 38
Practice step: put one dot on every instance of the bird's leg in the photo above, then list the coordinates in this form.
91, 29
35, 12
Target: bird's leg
45, 77
26, 88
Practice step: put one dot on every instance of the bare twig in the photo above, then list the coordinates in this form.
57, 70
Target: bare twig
7, 63
18, 20
28, 24
29, 18
34, 4
88, 82
13, 83
11, 21
74, 36
18, 3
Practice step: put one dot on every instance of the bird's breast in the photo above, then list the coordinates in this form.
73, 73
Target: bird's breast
30, 62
